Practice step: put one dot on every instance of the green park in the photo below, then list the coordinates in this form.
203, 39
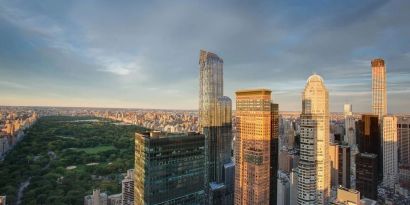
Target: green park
62, 159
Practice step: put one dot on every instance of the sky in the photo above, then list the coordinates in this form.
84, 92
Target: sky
144, 54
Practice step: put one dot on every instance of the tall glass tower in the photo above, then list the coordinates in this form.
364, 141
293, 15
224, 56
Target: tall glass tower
215, 122
314, 165
379, 97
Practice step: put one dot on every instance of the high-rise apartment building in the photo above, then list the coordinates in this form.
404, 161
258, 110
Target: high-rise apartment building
127, 187
390, 151
215, 122
379, 97
169, 168
254, 168
366, 174
314, 164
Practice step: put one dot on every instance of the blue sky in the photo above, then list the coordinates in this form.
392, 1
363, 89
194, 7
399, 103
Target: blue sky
144, 54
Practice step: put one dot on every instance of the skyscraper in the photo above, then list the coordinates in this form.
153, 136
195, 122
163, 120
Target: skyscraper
254, 168
368, 138
215, 122
274, 152
350, 128
314, 165
366, 175
390, 145
340, 165
169, 168
403, 134
379, 97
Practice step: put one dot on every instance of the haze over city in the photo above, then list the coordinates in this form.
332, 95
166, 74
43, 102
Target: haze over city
145, 54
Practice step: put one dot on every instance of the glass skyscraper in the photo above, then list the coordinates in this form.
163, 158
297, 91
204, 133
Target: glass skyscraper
169, 169
215, 122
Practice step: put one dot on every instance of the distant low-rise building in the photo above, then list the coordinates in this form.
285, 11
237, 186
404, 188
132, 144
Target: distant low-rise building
96, 198
127, 187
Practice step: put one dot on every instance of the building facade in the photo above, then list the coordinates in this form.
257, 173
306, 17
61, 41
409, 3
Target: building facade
340, 165
215, 122
169, 169
314, 164
403, 135
127, 187
253, 147
366, 174
390, 151
379, 96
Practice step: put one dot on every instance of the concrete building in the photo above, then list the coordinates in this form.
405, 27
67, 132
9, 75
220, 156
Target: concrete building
215, 122
390, 151
366, 174
350, 130
314, 164
348, 196
253, 157
127, 187
379, 96
169, 168
97, 198
115, 199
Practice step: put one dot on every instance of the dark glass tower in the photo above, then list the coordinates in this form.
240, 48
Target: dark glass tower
169, 169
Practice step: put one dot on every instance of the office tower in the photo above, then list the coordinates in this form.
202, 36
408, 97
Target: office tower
347, 109
379, 97
2, 200
368, 134
348, 196
169, 169
253, 147
314, 165
274, 152
283, 197
403, 135
340, 165
127, 187
96, 198
215, 116
390, 159
366, 174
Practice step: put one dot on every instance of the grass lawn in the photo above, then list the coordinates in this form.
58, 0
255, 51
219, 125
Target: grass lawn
95, 150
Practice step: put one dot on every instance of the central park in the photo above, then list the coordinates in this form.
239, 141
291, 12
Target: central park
62, 159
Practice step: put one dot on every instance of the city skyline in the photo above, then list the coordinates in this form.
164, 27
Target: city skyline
63, 55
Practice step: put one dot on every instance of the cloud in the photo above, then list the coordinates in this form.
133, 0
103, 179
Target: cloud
125, 49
